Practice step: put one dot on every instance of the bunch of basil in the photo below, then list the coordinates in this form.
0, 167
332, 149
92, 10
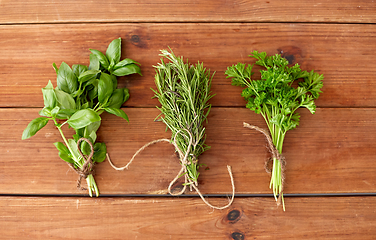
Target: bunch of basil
81, 96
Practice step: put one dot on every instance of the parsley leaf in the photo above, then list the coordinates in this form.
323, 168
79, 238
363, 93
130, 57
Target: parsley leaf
275, 97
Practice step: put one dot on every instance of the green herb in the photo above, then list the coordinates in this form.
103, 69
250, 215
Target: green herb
184, 91
276, 99
81, 96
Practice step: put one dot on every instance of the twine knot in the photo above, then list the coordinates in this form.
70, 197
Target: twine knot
88, 166
275, 155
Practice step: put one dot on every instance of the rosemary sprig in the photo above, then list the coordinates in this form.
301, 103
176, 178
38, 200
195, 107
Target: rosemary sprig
184, 91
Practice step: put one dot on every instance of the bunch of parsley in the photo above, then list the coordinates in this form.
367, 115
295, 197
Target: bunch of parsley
81, 96
276, 99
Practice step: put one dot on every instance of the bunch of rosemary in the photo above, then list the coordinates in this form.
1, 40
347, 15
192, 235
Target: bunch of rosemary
184, 91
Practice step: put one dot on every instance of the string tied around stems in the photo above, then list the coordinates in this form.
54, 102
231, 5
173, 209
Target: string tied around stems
275, 155
184, 162
88, 166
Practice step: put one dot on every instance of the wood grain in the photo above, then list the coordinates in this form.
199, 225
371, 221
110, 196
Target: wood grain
330, 152
347, 11
27, 54
186, 218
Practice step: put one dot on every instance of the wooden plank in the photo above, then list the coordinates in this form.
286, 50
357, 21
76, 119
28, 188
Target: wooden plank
330, 152
15, 11
186, 218
28, 51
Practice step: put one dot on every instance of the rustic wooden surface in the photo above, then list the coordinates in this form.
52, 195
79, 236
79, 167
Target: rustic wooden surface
182, 218
330, 183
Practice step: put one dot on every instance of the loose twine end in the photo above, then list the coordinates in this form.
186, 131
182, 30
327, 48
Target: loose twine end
275, 155
183, 171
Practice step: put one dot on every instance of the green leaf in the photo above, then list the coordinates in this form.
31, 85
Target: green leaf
90, 129
88, 75
65, 100
61, 147
49, 96
127, 70
118, 112
116, 99
65, 113
45, 112
66, 79
105, 88
94, 62
113, 51
79, 69
73, 145
93, 93
83, 118
126, 94
124, 62
55, 111
66, 157
85, 147
114, 82
34, 126
101, 58
55, 67
100, 151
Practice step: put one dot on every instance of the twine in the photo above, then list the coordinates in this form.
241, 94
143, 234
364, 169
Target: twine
275, 155
184, 163
88, 167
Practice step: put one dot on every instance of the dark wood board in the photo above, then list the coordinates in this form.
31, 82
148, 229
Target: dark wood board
342, 52
186, 218
37, 11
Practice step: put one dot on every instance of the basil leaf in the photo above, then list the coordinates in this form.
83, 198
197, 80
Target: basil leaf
49, 96
73, 145
111, 67
101, 57
100, 151
61, 147
88, 75
113, 51
66, 157
66, 79
34, 126
118, 112
90, 131
93, 93
126, 70
94, 62
114, 82
78, 69
93, 136
85, 105
105, 88
82, 118
124, 62
126, 94
65, 100
92, 127
55, 67
85, 147
55, 111
65, 113
45, 112
116, 99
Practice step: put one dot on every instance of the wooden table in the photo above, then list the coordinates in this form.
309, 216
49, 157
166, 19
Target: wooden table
330, 173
